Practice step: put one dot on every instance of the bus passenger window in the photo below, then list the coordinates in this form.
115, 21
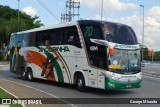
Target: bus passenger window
56, 37
72, 37
47, 42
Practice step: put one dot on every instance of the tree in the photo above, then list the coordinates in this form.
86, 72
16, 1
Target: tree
9, 22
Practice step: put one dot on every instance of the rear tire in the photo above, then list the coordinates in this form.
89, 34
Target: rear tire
30, 75
23, 74
81, 83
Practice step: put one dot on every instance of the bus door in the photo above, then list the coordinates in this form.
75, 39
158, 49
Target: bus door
92, 77
96, 53
97, 59
92, 49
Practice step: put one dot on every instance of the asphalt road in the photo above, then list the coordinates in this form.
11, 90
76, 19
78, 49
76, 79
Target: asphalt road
150, 88
152, 70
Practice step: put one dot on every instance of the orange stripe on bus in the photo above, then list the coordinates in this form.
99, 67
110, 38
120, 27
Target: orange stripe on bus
38, 59
49, 47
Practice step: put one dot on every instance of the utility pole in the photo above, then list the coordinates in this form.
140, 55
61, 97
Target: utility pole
70, 11
102, 10
152, 55
143, 30
6, 35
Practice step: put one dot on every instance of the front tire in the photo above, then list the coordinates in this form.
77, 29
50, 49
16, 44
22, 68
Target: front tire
81, 83
30, 75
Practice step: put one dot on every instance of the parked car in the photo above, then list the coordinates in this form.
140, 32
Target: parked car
142, 64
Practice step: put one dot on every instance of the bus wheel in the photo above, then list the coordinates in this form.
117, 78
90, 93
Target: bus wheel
30, 75
23, 74
81, 83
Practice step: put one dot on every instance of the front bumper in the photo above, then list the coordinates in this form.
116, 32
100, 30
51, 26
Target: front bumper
113, 84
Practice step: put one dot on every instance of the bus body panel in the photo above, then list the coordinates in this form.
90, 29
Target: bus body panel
61, 62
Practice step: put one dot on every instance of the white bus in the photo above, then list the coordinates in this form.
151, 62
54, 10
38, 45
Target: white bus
87, 53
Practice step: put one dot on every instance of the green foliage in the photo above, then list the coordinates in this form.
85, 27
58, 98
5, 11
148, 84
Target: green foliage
157, 56
9, 22
2, 57
5, 95
145, 55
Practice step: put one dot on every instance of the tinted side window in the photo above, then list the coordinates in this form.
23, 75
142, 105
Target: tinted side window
43, 38
119, 34
49, 37
71, 36
56, 37
91, 31
96, 53
30, 38
125, 35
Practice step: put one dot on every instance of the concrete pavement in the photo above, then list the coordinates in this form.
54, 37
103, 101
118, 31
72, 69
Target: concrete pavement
4, 62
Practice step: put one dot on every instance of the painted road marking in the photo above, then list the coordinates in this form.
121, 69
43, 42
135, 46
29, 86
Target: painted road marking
4, 105
3, 68
151, 75
145, 76
2, 65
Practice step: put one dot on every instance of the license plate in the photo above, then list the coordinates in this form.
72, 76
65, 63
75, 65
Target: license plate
128, 86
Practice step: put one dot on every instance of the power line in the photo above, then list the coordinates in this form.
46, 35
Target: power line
71, 6
45, 7
63, 10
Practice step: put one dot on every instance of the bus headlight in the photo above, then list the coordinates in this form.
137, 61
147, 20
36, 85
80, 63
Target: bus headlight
114, 78
111, 84
139, 77
111, 75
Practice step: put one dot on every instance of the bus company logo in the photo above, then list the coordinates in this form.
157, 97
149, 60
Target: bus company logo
125, 46
58, 49
94, 48
19, 101
6, 101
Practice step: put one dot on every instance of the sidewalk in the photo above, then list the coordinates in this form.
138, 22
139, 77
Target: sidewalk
4, 62
22, 91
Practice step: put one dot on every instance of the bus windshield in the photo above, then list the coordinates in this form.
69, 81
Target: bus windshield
120, 34
125, 61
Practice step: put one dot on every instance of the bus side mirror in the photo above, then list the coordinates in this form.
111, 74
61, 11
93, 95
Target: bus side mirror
111, 51
149, 52
104, 43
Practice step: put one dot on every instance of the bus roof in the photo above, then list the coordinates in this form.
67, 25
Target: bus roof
99, 22
65, 25
48, 27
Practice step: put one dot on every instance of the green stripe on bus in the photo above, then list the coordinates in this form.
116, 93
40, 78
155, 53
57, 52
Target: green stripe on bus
66, 65
59, 71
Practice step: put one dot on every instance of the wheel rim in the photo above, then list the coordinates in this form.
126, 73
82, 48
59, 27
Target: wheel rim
23, 74
79, 83
29, 75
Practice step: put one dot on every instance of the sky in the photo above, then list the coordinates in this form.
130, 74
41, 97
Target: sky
122, 11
